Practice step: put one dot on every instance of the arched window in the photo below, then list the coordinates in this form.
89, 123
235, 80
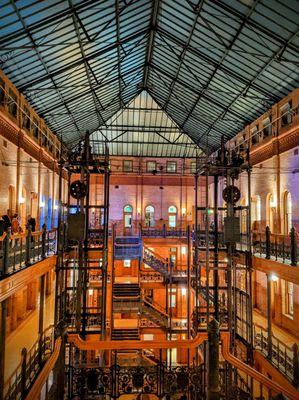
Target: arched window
33, 204
255, 212
128, 213
287, 212
49, 214
172, 216
42, 206
149, 216
243, 216
270, 210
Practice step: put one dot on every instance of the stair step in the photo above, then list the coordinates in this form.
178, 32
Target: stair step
126, 290
125, 334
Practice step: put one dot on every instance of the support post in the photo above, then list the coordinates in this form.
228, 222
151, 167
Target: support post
28, 246
41, 317
296, 365
269, 318
23, 372
213, 361
3, 313
44, 237
216, 250
268, 242
164, 230
293, 247
6, 252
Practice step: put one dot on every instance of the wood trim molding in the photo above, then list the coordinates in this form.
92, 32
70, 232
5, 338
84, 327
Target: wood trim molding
91, 344
45, 372
283, 271
276, 145
17, 281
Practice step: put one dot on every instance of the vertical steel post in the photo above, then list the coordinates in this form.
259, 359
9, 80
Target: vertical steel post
188, 288
216, 251
269, 317
213, 389
86, 163
3, 314
105, 244
207, 234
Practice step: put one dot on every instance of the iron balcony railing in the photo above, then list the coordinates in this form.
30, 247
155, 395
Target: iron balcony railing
283, 248
284, 358
32, 361
18, 251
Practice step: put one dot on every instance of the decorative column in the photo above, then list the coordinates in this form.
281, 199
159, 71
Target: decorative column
3, 313
213, 392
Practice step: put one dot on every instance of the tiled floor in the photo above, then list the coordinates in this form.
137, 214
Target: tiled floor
26, 336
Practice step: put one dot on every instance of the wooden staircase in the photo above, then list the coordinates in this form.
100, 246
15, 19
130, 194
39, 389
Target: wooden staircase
149, 355
155, 313
156, 262
126, 291
125, 334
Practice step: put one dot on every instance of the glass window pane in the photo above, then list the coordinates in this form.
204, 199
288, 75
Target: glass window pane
127, 165
171, 166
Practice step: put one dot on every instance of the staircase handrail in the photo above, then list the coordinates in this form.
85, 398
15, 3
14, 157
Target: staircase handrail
156, 306
156, 255
288, 390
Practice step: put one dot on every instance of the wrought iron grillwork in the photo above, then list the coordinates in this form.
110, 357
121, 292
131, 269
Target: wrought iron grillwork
116, 380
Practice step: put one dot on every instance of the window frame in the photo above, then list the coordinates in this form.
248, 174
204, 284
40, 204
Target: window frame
148, 169
168, 163
131, 166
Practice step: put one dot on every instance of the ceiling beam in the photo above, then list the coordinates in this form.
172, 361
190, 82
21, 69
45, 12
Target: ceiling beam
151, 40
185, 48
237, 34
78, 62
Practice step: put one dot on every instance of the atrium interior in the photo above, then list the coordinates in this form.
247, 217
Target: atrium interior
149, 199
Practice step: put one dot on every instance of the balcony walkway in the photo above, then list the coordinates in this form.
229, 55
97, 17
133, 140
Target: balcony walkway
26, 335
280, 333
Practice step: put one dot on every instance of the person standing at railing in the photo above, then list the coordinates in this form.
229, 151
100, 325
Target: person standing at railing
7, 222
15, 225
31, 222
2, 226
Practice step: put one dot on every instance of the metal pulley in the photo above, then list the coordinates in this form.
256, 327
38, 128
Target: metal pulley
231, 194
78, 190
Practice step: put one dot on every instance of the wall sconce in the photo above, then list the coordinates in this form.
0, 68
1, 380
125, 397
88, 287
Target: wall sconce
184, 291
273, 203
21, 200
183, 211
183, 250
274, 278
90, 292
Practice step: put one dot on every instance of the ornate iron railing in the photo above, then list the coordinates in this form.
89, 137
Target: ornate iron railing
163, 381
283, 248
32, 362
281, 356
21, 250
156, 262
